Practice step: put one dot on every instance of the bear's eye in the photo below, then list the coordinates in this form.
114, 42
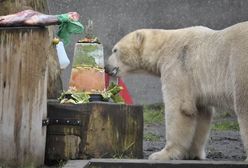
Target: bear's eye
115, 50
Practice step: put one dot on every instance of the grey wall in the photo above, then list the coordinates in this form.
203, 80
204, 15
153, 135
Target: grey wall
115, 18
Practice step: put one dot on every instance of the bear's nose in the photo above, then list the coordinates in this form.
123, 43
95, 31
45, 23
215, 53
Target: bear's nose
112, 71
107, 69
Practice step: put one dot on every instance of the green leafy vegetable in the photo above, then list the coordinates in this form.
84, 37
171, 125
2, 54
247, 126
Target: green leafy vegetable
113, 93
79, 97
74, 97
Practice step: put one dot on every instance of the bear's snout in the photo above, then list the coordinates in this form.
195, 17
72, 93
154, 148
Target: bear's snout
112, 71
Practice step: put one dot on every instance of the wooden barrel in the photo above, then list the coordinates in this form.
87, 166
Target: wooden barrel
23, 88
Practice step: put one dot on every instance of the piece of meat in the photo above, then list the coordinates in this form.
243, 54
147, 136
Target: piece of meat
33, 18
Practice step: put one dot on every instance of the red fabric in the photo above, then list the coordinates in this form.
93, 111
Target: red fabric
106, 80
123, 93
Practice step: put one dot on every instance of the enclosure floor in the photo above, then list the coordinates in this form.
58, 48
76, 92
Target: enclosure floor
222, 145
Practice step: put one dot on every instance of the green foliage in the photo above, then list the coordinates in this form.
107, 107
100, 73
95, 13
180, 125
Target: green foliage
61, 163
154, 114
151, 137
226, 125
224, 114
124, 154
79, 97
74, 97
113, 93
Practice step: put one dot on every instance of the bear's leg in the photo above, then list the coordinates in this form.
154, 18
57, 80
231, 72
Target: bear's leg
240, 96
242, 114
180, 128
180, 113
204, 117
241, 109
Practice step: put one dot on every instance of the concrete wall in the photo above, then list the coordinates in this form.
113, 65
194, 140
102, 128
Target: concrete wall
115, 18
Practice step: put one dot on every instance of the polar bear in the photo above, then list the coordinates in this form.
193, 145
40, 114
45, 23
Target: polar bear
200, 68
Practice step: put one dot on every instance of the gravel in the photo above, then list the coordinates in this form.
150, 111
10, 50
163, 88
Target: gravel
222, 145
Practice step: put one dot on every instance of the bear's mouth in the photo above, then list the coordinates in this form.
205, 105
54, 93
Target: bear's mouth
113, 71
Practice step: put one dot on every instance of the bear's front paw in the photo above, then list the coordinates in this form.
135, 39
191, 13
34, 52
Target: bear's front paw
170, 153
197, 155
161, 155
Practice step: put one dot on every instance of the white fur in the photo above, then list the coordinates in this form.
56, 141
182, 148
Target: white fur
200, 68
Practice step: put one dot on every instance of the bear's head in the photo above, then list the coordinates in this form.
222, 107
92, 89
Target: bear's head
126, 55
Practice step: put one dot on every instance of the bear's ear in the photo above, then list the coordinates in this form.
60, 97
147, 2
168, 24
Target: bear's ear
139, 39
